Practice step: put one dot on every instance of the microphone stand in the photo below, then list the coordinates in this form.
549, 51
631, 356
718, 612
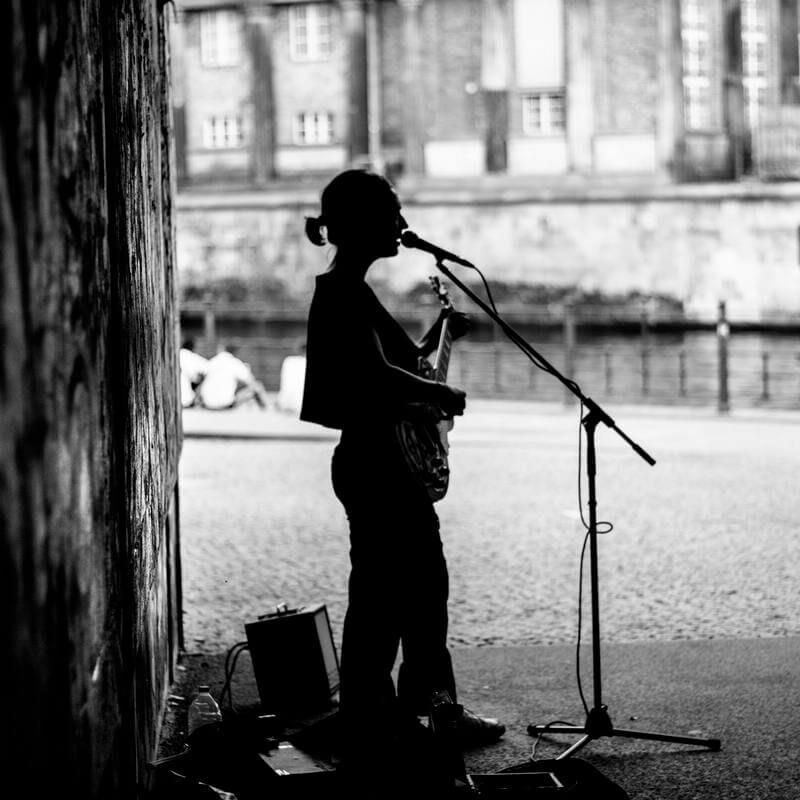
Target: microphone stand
598, 721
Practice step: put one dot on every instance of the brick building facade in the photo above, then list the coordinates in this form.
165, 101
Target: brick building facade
673, 89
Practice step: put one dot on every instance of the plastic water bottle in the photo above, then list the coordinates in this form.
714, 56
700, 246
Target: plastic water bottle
203, 710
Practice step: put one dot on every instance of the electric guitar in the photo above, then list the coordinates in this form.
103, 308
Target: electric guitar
422, 434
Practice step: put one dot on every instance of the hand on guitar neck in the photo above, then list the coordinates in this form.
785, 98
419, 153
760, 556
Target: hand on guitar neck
458, 325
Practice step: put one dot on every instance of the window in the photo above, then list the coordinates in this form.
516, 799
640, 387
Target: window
223, 132
697, 105
694, 15
755, 98
696, 65
313, 127
753, 16
754, 58
695, 54
310, 31
543, 113
220, 39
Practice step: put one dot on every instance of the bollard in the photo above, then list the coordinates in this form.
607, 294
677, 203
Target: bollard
209, 325
765, 376
682, 373
644, 329
723, 334
645, 371
608, 371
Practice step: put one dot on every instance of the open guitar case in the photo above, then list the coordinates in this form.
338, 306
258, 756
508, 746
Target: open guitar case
548, 778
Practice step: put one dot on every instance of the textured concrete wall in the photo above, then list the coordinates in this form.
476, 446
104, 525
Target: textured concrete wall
696, 244
89, 419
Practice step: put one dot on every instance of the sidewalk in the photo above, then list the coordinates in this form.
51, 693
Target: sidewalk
745, 693
740, 689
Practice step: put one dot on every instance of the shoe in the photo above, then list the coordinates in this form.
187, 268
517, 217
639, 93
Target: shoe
412, 731
474, 731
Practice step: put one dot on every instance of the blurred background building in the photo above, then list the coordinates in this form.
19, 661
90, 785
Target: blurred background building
457, 88
641, 152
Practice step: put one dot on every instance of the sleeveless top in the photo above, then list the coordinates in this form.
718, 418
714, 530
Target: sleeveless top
345, 384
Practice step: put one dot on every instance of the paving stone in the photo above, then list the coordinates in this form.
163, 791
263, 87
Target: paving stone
704, 544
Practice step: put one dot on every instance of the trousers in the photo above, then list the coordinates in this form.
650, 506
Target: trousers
397, 589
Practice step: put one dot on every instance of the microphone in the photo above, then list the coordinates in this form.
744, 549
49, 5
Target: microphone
411, 240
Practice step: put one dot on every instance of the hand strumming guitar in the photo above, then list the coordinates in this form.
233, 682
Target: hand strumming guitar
451, 400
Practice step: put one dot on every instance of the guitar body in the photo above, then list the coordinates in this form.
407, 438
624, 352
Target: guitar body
422, 434
424, 444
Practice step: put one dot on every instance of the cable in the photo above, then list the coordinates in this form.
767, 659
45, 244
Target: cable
542, 733
580, 475
580, 621
229, 678
230, 666
609, 527
486, 286
532, 357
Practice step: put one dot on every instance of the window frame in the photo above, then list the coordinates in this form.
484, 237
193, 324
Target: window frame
696, 110
755, 59
228, 33
316, 27
301, 128
546, 103
216, 136
696, 66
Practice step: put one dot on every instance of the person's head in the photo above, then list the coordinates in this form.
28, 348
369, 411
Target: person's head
360, 214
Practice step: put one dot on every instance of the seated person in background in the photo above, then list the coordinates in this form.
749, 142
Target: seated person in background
193, 369
229, 382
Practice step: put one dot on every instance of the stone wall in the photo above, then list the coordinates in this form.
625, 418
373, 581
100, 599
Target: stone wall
696, 244
89, 418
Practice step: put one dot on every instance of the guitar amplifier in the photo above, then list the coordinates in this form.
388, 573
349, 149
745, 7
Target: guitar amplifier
294, 660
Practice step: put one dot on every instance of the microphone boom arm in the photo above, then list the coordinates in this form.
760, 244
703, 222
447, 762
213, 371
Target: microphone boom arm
539, 359
598, 721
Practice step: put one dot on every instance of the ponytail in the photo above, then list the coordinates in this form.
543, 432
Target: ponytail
314, 226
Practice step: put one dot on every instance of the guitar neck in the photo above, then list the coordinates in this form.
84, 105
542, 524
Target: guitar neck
442, 360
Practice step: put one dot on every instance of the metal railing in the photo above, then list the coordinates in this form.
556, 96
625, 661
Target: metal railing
719, 367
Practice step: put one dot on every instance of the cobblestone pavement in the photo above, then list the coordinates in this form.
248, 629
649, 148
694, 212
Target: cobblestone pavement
705, 544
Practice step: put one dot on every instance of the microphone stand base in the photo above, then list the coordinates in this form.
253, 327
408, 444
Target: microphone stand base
598, 724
